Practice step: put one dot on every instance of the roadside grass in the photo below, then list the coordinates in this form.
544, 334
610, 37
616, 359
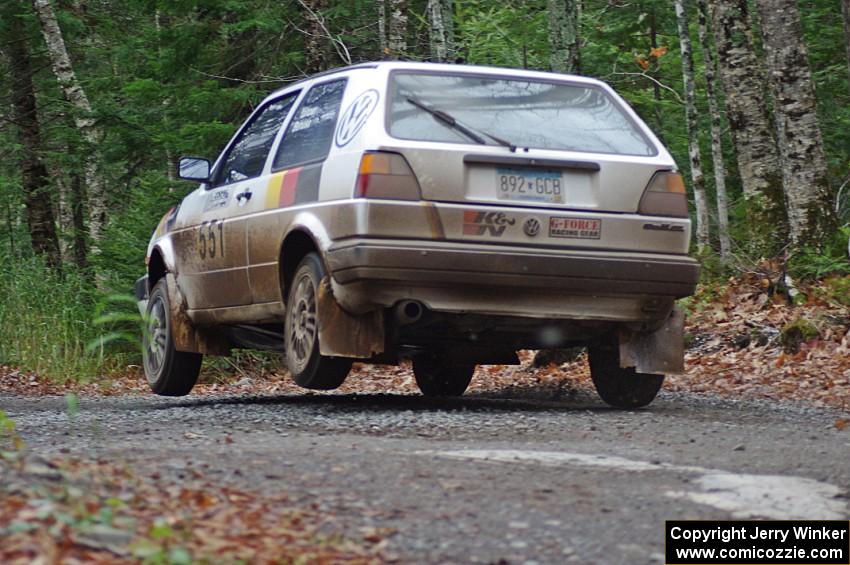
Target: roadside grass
46, 324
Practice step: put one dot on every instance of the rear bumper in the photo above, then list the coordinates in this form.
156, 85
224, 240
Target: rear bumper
510, 280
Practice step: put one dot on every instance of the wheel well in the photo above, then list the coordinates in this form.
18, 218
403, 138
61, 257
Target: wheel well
156, 269
295, 247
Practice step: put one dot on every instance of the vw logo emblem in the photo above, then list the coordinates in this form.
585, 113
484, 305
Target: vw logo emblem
355, 116
531, 227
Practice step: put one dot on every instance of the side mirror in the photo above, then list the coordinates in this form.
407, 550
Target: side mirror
194, 168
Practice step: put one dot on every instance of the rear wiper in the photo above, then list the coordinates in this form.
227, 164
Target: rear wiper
450, 121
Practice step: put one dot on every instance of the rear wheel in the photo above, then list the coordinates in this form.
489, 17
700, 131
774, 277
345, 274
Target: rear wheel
169, 372
621, 388
436, 377
307, 366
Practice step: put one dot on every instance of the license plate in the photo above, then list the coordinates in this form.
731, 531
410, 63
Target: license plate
534, 185
577, 228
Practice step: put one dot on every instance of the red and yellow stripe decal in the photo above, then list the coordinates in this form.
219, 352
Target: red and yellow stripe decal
164, 225
282, 188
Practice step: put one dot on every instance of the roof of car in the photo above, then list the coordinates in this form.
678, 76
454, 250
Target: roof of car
447, 67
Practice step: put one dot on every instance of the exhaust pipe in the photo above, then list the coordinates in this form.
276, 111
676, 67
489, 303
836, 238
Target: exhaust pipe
408, 312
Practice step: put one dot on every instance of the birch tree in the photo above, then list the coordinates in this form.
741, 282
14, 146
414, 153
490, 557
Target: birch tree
448, 10
716, 126
83, 120
700, 201
564, 35
845, 12
804, 171
437, 31
743, 79
34, 178
397, 34
382, 27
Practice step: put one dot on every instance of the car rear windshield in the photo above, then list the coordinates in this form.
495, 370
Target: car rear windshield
535, 114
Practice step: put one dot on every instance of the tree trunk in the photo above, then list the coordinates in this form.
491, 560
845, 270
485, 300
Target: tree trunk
564, 35
845, 11
437, 31
315, 40
742, 77
34, 179
447, 7
710, 64
700, 201
397, 43
85, 123
382, 28
804, 172
65, 215
78, 207
10, 231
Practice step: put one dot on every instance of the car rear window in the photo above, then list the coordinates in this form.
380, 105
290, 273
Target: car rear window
535, 114
308, 137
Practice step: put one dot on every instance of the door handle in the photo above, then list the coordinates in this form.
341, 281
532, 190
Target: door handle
246, 195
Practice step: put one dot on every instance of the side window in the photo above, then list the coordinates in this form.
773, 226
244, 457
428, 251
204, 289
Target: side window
247, 156
309, 135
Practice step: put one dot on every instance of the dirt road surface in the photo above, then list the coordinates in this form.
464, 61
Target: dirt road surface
486, 478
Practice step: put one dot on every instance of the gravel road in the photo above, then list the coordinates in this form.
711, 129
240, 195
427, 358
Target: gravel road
485, 478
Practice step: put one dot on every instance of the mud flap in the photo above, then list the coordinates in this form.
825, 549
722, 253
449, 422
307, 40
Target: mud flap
185, 336
342, 334
660, 352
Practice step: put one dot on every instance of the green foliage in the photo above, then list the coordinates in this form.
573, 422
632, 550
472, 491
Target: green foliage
72, 405
506, 34
813, 264
706, 295
10, 441
834, 290
45, 323
158, 547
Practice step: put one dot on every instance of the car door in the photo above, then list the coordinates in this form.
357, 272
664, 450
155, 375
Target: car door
293, 180
213, 248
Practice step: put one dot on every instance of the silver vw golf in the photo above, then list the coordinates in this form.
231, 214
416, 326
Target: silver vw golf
446, 214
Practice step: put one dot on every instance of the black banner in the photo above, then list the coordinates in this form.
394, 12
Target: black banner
801, 542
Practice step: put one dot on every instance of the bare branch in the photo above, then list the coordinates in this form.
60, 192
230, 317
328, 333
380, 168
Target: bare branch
653, 79
265, 80
338, 44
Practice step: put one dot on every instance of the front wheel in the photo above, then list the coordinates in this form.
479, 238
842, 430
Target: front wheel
308, 367
169, 372
621, 388
435, 377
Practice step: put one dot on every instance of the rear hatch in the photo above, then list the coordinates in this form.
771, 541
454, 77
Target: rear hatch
517, 141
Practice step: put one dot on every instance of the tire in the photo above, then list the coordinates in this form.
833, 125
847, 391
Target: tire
436, 378
621, 388
169, 372
307, 366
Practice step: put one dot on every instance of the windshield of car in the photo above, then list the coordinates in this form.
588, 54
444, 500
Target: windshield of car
534, 114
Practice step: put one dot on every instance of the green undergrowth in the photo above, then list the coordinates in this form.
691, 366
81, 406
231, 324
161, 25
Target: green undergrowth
46, 324
816, 264
835, 290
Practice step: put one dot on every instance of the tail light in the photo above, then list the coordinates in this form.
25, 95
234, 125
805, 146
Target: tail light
665, 196
386, 175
